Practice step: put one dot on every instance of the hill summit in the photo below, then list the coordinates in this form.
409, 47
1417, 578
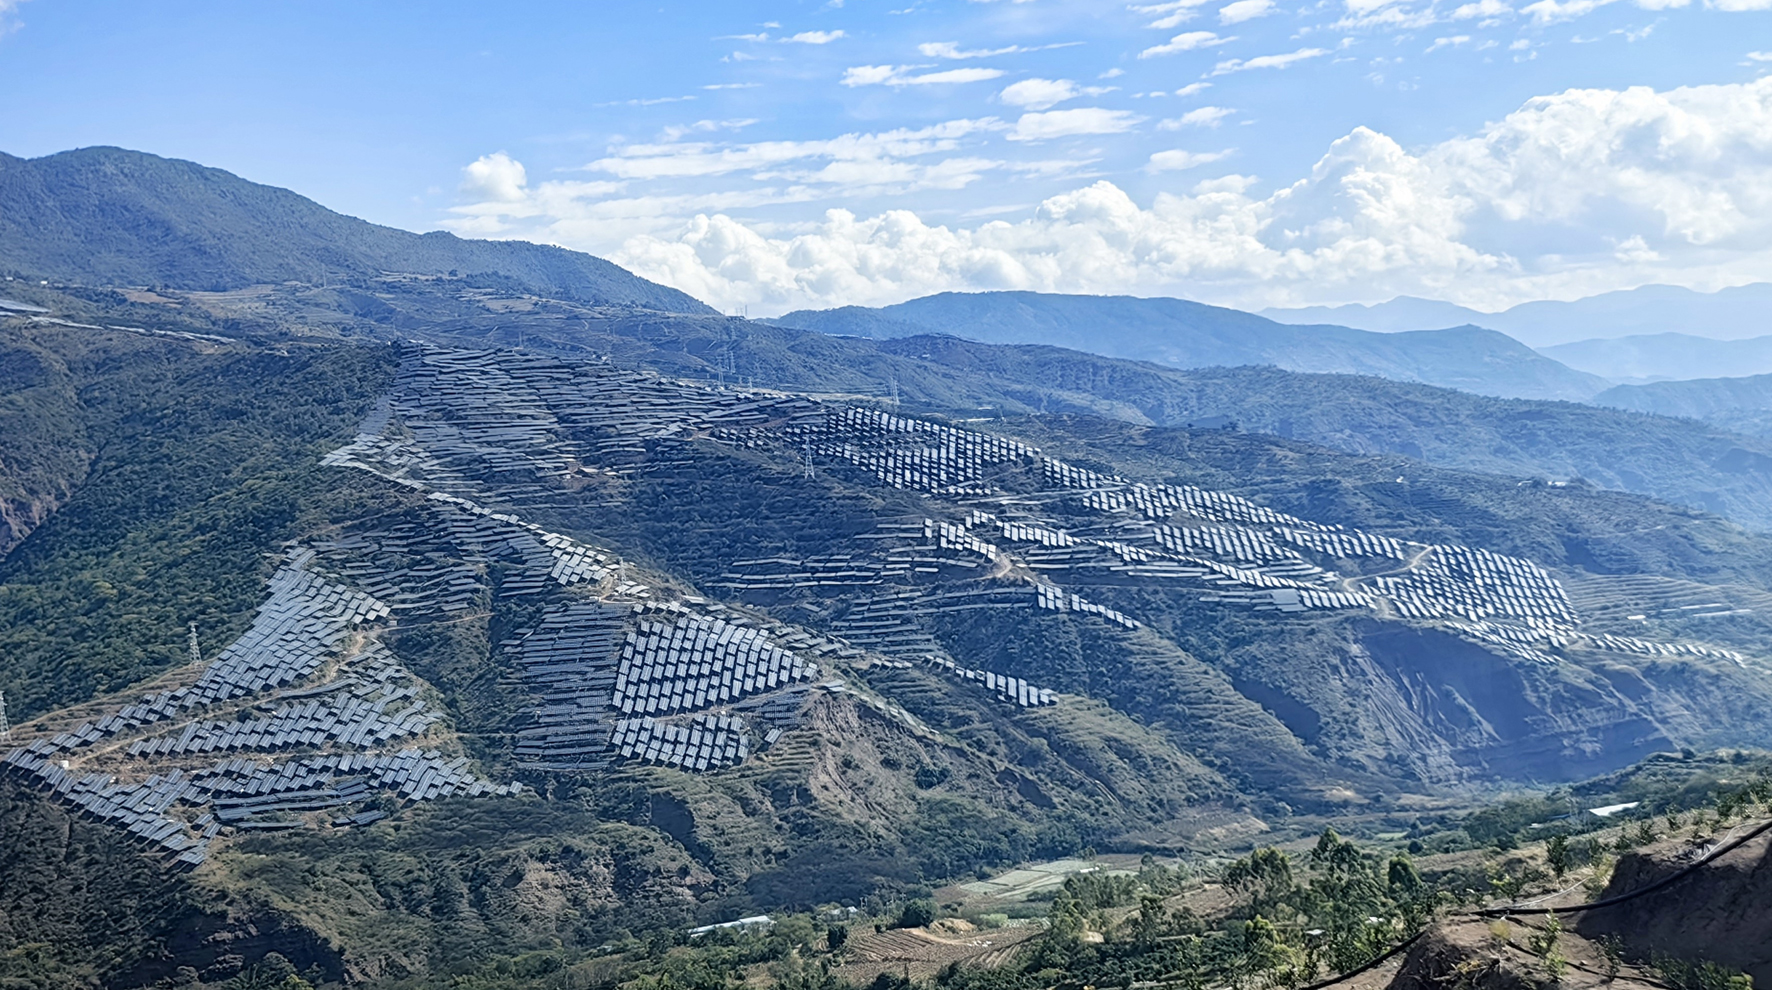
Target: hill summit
108, 216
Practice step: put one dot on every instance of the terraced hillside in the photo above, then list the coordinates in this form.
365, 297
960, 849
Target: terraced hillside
812, 649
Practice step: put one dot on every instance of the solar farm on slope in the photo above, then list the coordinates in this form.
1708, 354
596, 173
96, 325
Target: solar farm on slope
308, 720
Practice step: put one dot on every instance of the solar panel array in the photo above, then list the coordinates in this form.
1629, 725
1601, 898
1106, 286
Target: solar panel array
483, 416
322, 745
513, 425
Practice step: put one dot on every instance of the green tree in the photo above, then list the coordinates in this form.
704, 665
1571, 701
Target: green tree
1556, 854
1266, 957
1265, 873
915, 914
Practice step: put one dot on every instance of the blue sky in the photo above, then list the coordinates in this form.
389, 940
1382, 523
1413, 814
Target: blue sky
781, 155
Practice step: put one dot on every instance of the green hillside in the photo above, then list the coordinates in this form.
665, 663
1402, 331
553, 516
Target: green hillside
106, 216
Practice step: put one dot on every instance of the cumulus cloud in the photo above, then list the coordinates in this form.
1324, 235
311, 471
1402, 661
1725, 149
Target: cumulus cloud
1452, 42
908, 75
1244, 10
1072, 123
812, 38
1573, 193
1038, 94
495, 178
1185, 42
1177, 160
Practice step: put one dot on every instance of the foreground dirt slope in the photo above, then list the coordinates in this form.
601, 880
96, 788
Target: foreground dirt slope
1697, 901
1497, 955
1721, 912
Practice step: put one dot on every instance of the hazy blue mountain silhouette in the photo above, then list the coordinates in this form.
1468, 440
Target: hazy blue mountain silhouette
1185, 334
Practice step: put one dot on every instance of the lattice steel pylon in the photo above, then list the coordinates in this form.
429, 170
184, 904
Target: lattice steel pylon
5, 726
196, 653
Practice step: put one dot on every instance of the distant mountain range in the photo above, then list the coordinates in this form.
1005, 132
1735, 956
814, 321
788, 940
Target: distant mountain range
1665, 357
1184, 334
107, 216
1737, 404
1730, 314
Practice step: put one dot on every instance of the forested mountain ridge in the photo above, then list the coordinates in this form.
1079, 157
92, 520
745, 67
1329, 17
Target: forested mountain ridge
1183, 334
107, 216
1697, 465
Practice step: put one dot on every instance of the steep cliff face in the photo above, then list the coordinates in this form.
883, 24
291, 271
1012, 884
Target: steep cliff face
1460, 706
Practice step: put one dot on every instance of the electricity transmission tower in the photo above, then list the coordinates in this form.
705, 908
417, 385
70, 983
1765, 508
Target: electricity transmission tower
5, 726
196, 654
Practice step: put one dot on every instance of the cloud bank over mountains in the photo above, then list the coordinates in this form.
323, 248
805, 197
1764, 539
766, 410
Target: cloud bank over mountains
1621, 182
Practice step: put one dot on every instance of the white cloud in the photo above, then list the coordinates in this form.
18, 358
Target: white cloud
1386, 15
8, 21
1202, 117
1482, 8
679, 131
1267, 61
1554, 11
813, 38
1172, 14
1575, 193
1071, 123
1244, 10
1038, 94
661, 161
743, 85
1634, 250
1174, 161
495, 178
952, 50
908, 75
1452, 42
646, 101
949, 49
1185, 43
1739, 5
1760, 56
1193, 89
